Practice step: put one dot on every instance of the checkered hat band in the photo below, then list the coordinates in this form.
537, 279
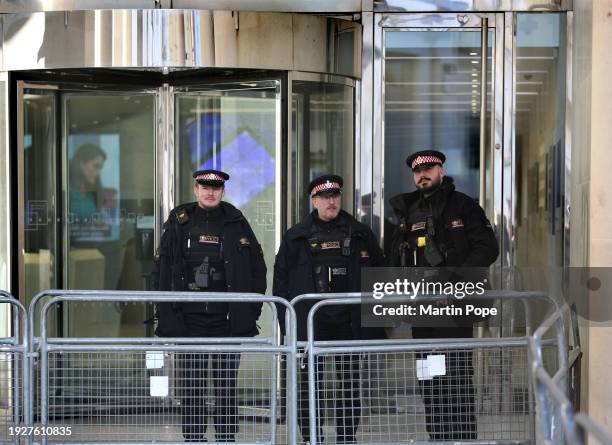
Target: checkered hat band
209, 177
325, 186
426, 160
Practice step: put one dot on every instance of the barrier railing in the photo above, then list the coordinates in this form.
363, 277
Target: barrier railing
438, 395
142, 390
14, 414
558, 421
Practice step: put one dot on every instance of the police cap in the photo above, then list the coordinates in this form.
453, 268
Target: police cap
215, 178
325, 185
423, 158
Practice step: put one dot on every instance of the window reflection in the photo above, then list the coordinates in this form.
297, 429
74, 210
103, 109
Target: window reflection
432, 101
39, 192
322, 139
540, 139
93, 204
110, 170
235, 129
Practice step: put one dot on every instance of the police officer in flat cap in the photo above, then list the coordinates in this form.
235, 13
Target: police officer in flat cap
325, 253
440, 227
208, 246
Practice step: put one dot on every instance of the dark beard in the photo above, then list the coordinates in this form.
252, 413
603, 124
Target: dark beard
431, 188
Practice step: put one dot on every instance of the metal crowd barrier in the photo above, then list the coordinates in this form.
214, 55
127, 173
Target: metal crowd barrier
142, 390
558, 421
493, 411
136, 390
13, 372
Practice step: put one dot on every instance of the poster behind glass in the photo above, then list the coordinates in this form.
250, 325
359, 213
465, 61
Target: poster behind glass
93, 187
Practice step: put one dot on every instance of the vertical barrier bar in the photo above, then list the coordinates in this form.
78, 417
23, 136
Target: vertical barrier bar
16, 372
312, 384
16, 350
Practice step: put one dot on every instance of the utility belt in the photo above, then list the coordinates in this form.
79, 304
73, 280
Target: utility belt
334, 279
212, 307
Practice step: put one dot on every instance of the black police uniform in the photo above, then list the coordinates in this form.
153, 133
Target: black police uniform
318, 256
457, 233
211, 251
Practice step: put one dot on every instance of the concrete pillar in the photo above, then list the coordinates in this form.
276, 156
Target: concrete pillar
591, 220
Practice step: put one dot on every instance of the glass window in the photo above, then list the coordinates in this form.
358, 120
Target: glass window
540, 139
39, 202
109, 187
322, 140
432, 96
235, 129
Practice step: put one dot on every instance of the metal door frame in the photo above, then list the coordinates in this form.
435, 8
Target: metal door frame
21, 86
436, 22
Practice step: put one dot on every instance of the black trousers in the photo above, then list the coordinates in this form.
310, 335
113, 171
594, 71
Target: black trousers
193, 380
449, 399
347, 404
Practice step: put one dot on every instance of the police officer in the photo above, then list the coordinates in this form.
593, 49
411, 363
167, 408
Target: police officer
209, 246
325, 253
441, 227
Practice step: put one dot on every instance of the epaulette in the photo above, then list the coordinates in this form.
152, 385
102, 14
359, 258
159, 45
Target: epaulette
182, 216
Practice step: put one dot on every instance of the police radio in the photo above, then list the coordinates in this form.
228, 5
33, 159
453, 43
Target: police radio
202, 274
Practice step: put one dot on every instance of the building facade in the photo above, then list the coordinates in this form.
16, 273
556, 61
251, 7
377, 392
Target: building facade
276, 93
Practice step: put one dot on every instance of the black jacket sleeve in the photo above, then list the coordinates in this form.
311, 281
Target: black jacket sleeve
258, 264
170, 322
166, 257
280, 286
483, 246
377, 257
392, 256
258, 270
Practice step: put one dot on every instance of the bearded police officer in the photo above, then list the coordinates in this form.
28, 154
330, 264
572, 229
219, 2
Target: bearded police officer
325, 253
441, 227
209, 246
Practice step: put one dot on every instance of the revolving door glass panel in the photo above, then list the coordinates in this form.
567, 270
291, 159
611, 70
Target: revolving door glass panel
38, 268
236, 129
432, 97
88, 211
322, 139
109, 164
